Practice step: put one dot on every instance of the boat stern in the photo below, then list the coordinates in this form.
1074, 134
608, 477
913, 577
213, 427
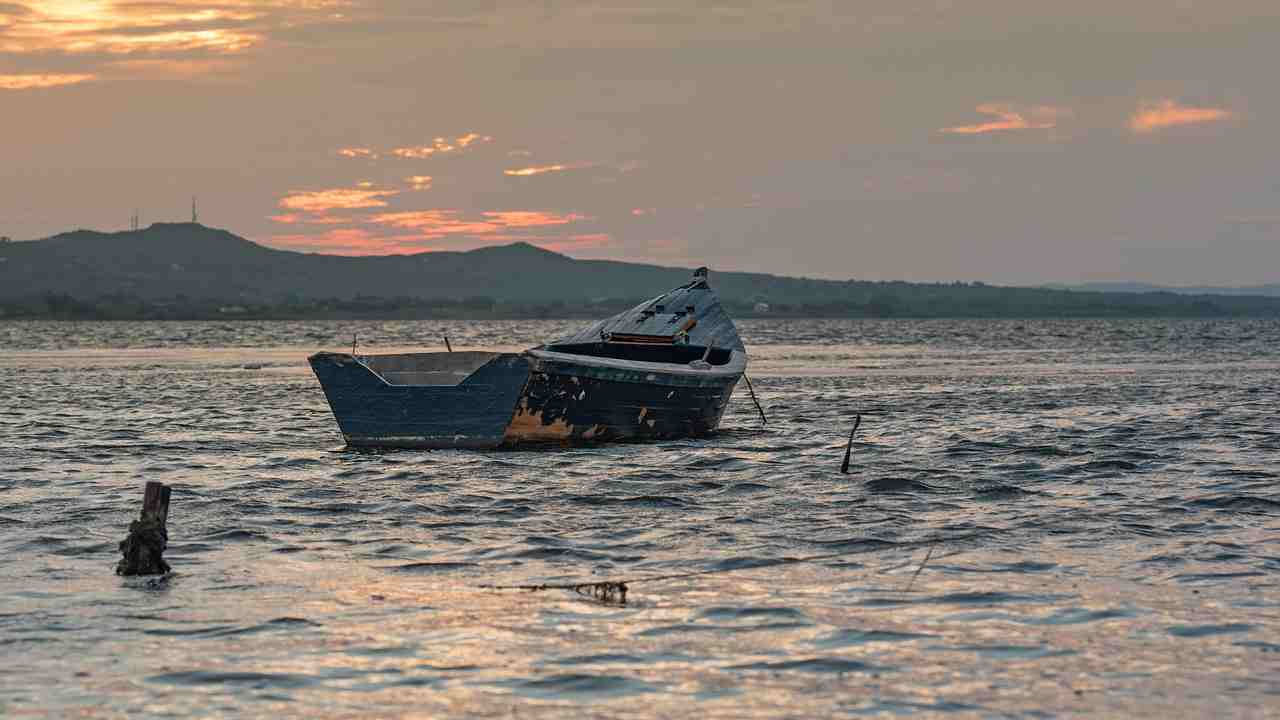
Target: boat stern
422, 400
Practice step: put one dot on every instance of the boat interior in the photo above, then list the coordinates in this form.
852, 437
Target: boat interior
436, 368
645, 352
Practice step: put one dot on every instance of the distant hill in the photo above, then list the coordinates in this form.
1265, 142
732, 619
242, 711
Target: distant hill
1269, 290
189, 270
167, 260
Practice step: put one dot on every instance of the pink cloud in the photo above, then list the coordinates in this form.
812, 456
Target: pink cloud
1007, 117
353, 241
307, 219
532, 218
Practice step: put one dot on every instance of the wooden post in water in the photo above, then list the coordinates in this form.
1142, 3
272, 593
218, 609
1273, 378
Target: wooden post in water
143, 549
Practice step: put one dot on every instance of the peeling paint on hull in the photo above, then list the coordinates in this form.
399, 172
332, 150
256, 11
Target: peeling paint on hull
560, 407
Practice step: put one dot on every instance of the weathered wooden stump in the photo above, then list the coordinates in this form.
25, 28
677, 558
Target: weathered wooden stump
144, 548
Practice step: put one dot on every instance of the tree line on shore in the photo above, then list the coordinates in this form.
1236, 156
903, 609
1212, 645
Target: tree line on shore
903, 301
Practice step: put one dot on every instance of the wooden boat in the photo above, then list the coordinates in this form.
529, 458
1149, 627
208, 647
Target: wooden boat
664, 369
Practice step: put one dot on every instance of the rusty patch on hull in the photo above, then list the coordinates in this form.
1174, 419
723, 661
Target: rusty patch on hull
568, 409
528, 426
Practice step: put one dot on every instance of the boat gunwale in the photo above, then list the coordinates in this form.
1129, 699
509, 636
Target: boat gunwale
736, 366
361, 360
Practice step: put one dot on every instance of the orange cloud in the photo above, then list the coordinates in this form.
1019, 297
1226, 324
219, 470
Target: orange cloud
419, 182
537, 170
541, 169
45, 80
1153, 116
357, 152
103, 26
423, 230
128, 38
417, 153
319, 201
440, 145
437, 223
1041, 117
353, 241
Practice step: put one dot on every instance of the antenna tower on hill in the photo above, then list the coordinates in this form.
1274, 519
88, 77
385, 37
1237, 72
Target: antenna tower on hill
194, 218
134, 222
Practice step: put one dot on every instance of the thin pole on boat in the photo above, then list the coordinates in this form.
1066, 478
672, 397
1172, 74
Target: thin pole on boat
710, 346
447, 345
844, 466
763, 420
353, 343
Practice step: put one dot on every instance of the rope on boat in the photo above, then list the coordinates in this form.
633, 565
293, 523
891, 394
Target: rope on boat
615, 591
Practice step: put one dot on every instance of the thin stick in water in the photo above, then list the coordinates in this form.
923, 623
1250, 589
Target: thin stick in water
447, 346
844, 466
763, 420
923, 562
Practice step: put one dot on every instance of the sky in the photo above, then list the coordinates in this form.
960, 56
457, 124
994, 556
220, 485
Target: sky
1004, 141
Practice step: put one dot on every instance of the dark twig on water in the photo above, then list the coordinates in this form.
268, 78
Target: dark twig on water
615, 591
763, 420
447, 346
923, 562
848, 451
143, 549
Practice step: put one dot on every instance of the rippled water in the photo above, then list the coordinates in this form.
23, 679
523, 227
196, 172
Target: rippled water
1114, 483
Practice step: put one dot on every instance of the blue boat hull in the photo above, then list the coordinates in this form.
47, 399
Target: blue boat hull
372, 413
517, 400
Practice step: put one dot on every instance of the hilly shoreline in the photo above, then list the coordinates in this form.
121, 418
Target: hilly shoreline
189, 271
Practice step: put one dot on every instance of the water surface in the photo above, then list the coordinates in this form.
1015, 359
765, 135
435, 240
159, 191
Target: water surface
1105, 494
